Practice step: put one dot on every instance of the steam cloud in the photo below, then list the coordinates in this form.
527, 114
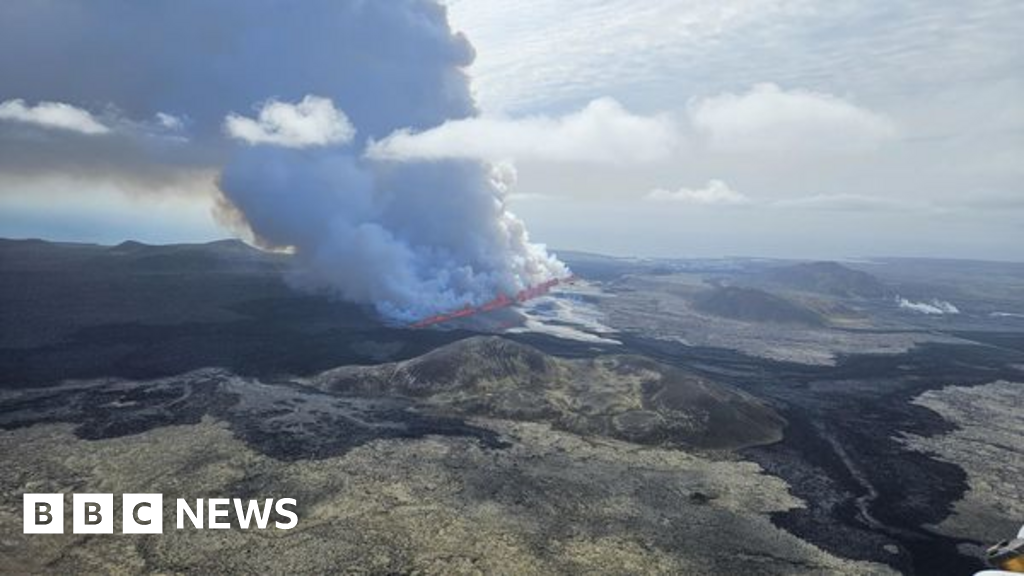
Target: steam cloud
413, 239
932, 307
287, 101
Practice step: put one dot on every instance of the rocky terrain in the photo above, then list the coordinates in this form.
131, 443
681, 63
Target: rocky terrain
659, 416
988, 443
550, 503
625, 397
674, 307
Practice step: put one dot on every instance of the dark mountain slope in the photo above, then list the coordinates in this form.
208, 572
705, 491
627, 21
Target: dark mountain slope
753, 305
627, 397
827, 278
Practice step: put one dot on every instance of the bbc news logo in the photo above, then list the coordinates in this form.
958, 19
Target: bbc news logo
144, 513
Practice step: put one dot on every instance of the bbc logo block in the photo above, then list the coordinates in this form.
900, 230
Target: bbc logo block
44, 513
144, 513
94, 514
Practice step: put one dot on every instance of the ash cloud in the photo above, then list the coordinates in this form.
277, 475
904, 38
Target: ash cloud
412, 238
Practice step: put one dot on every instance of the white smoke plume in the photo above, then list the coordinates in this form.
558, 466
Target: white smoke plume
931, 307
412, 239
284, 99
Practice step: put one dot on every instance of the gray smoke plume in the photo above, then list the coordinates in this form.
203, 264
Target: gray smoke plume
287, 97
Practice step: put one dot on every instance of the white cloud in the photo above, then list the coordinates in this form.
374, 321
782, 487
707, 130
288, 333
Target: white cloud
52, 115
765, 118
768, 118
169, 121
716, 192
536, 53
603, 131
314, 121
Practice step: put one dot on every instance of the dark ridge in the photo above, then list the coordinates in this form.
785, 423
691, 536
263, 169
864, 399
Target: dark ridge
287, 422
627, 397
129, 247
753, 305
828, 278
246, 347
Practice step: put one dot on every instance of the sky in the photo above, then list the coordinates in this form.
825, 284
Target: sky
781, 128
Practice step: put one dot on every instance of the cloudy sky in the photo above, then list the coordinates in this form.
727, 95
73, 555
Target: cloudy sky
795, 128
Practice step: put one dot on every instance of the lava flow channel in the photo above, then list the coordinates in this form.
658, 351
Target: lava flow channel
501, 301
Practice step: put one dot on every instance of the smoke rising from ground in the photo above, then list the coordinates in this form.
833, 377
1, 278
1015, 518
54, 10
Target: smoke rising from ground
285, 100
413, 239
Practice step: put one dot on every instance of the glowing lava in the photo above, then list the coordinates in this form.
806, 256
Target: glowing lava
501, 301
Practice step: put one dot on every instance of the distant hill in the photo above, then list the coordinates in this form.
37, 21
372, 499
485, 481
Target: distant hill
218, 256
627, 397
753, 305
827, 278
50, 290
